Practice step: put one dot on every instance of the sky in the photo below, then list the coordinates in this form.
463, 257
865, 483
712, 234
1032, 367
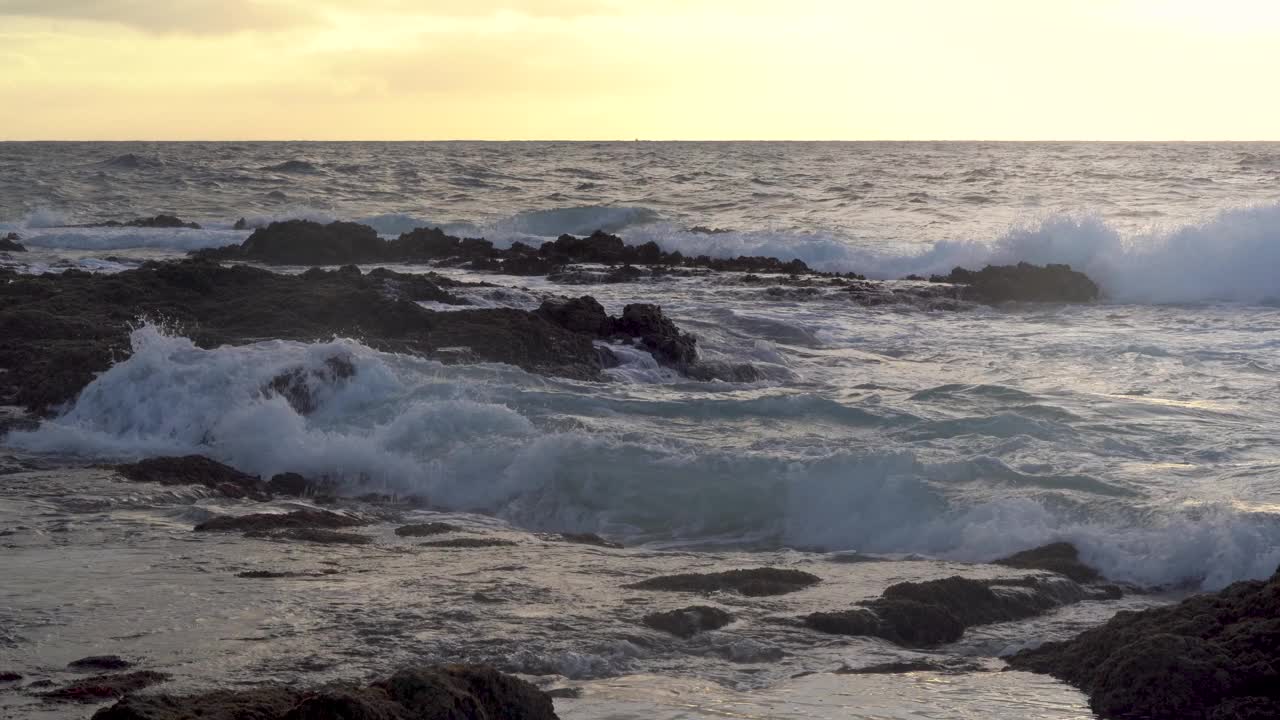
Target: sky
650, 69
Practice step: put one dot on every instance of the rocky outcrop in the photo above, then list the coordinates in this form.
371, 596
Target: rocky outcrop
9, 243
99, 662
752, 583
1211, 657
296, 519
1023, 282
1062, 558
105, 687
62, 330
450, 692
687, 622
934, 612
196, 470
158, 221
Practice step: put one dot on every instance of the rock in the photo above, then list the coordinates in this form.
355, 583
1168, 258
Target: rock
687, 622
910, 666
9, 243
657, 334
704, 230
304, 242
934, 612
431, 693
241, 224
425, 529
1024, 282
7, 676
752, 583
105, 687
258, 522
289, 484
1211, 657
1061, 558
566, 693
195, 470
583, 314
159, 221
468, 543
100, 662
315, 535
586, 539
298, 386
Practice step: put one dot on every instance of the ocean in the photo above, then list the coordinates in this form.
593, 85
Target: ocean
1140, 428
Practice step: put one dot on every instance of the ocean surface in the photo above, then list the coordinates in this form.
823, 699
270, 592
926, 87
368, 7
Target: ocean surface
1142, 428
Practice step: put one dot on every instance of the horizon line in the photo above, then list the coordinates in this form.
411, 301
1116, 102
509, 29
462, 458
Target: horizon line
622, 140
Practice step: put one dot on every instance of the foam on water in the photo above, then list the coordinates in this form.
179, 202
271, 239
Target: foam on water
495, 440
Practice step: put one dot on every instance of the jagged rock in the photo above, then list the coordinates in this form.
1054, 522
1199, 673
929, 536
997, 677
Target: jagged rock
922, 614
311, 534
241, 224
1062, 558
9, 243
297, 385
257, 522
100, 662
1023, 282
195, 470
450, 692
687, 622
658, 335
1211, 657
105, 687
583, 314
468, 543
426, 529
752, 583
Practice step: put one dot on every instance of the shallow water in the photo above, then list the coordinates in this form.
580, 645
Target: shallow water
1140, 428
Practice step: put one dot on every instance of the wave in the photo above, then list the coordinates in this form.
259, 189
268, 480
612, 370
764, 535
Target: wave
554, 455
125, 238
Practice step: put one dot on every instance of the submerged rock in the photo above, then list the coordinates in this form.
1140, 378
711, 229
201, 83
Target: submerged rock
9, 243
687, 622
159, 221
426, 529
195, 470
752, 583
100, 662
438, 693
1061, 557
1023, 282
310, 534
934, 612
468, 543
258, 522
105, 687
1211, 657
7, 676
584, 539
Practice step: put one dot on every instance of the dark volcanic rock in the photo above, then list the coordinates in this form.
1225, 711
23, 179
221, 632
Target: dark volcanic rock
1061, 558
582, 314
921, 614
258, 522
657, 334
310, 534
159, 221
298, 386
105, 687
62, 330
450, 692
687, 622
195, 470
100, 662
468, 543
1023, 282
752, 583
288, 484
8, 677
9, 243
1211, 657
426, 529
241, 224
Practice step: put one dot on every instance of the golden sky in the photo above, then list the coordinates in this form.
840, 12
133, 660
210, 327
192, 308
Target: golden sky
653, 69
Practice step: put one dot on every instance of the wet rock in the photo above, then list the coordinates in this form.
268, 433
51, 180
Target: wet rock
468, 543
1211, 657
586, 539
280, 574
1024, 282
426, 529
566, 693
583, 314
298, 386
158, 221
9, 243
259, 522
752, 583
909, 666
105, 687
315, 535
100, 662
687, 622
1062, 558
934, 612
436, 693
241, 224
657, 334
288, 484
195, 470
8, 677
704, 230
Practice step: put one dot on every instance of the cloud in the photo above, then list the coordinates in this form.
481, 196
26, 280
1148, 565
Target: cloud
202, 17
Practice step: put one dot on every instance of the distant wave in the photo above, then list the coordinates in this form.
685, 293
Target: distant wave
293, 166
